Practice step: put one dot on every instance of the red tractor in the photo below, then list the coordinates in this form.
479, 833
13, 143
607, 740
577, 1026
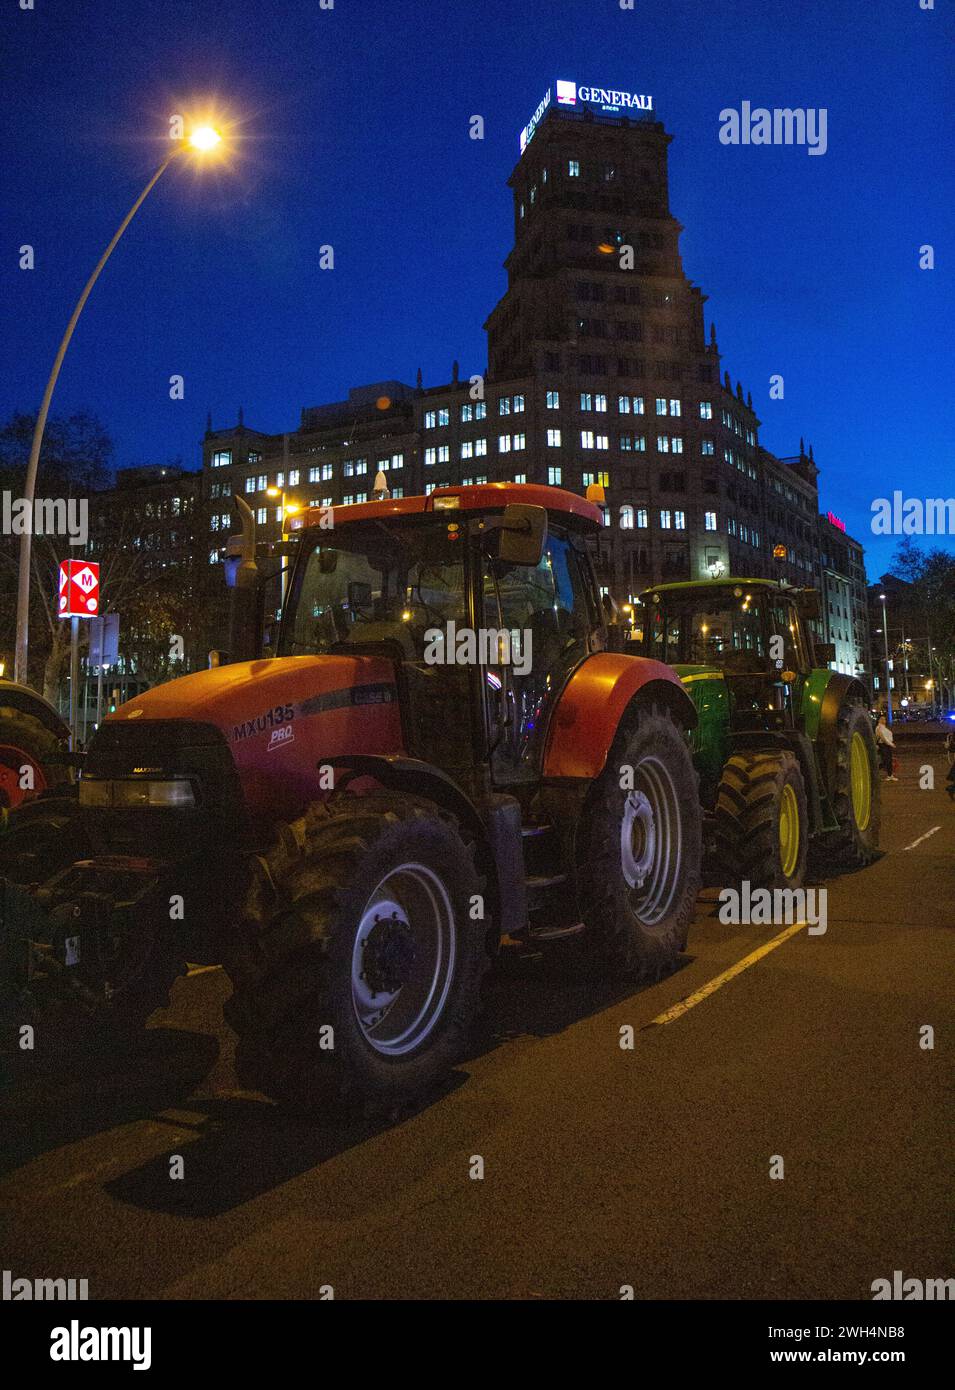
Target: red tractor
444, 754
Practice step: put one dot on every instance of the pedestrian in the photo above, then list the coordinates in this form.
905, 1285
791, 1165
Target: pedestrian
885, 741
950, 747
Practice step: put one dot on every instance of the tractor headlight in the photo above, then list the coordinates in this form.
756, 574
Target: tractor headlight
170, 793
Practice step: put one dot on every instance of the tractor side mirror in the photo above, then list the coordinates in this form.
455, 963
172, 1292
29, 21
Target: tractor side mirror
523, 534
824, 652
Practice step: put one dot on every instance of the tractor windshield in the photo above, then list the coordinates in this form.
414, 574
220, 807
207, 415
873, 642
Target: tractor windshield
722, 627
371, 582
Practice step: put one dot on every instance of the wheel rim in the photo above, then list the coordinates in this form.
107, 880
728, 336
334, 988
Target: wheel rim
860, 775
651, 841
403, 960
12, 761
788, 831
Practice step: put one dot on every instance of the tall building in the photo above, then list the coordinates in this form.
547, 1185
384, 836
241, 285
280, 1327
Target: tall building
599, 370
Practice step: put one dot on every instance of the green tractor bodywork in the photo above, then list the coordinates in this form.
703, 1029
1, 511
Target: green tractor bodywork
783, 745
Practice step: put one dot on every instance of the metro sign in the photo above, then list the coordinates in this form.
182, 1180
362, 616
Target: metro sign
79, 589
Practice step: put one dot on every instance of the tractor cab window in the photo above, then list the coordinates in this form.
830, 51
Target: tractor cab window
784, 623
371, 584
545, 613
727, 629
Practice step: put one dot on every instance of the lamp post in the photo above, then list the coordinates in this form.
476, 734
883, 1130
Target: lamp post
284, 511
202, 140
888, 676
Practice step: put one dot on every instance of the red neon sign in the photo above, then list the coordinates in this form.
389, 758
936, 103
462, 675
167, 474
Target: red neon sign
834, 521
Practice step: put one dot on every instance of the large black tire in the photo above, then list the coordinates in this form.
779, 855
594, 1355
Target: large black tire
640, 850
39, 838
25, 740
854, 844
298, 968
760, 792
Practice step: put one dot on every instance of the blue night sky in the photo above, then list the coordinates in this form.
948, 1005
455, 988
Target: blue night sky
351, 128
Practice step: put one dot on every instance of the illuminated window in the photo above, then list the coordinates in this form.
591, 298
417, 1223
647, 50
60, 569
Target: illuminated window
520, 441
504, 405
676, 443
293, 477
642, 517
709, 521
222, 458
600, 403
518, 404
602, 442
706, 410
663, 444
679, 521
706, 447
250, 484
480, 410
586, 439
430, 457
554, 476
443, 453
518, 478
480, 447
602, 477
553, 439
254, 457
661, 405
665, 519
626, 517
573, 168
263, 482
261, 515
504, 444
444, 416
430, 419
553, 400
676, 407
467, 414
467, 449
586, 400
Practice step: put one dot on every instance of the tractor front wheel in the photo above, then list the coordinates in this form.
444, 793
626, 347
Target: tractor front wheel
641, 848
857, 793
358, 964
762, 820
32, 759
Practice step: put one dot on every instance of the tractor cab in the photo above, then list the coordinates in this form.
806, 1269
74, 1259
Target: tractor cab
483, 601
750, 634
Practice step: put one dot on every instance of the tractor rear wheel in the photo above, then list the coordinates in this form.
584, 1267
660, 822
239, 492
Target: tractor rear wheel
29, 753
358, 963
641, 848
857, 793
762, 820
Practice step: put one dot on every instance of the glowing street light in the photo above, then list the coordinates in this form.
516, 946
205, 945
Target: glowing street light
202, 140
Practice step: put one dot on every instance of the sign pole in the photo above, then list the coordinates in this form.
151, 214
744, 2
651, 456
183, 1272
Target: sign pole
74, 677
99, 695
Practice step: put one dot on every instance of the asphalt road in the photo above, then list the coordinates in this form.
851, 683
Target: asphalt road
603, 1167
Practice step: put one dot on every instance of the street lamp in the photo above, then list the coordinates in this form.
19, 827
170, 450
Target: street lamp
202, 140
888, 677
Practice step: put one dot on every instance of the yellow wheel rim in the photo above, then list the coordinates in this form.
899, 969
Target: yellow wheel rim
788, 831
860, 778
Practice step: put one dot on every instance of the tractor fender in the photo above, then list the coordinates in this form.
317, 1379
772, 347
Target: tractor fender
594, 703
27, 701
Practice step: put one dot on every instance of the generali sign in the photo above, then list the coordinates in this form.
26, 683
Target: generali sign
609, 100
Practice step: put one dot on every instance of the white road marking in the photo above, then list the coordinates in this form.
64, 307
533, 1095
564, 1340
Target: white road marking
926, 836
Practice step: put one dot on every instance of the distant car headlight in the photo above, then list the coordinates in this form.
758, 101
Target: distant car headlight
174, 792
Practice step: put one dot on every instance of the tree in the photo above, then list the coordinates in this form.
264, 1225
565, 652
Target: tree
931, 574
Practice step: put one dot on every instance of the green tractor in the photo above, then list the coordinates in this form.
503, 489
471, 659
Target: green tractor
784, 746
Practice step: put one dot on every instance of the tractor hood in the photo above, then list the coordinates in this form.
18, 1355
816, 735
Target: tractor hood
283, 716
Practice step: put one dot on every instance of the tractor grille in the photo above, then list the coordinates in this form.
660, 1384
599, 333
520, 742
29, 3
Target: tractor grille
171, 748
